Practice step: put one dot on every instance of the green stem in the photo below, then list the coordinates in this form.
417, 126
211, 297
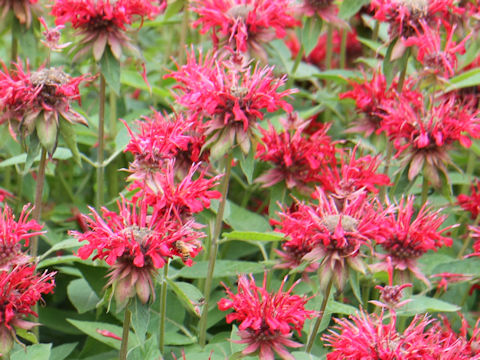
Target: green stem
467, 241
101, 145
37, 211
468, 172
343, 49
313, 334
163, 309
329, 54
425, 188
403, 73
125, 332
184, 33
214, 248
14, 44
113, 169
376, 28
388, 160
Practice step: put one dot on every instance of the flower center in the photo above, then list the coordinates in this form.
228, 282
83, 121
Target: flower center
49, 80
348, 223
416, 7
401, 250
318, 4
240, 11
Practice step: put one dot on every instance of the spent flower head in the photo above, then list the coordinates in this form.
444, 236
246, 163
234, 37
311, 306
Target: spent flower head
267, 319
23, 10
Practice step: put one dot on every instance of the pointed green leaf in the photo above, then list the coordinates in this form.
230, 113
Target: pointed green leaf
110, 68
140, 319
70, 137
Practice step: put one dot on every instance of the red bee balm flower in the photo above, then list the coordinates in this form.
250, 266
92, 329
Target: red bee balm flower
334, 235
231, 97
428, 134
102, 22
368, 336
245, 24
266, 319
296, 157
20, 289
39, 101
136, 243
408, 237
13, 233
471, 203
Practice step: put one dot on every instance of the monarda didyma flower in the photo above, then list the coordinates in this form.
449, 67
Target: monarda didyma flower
267, 320
244, 25
135, 243
37, 102
20, 289
231, 98
103, 22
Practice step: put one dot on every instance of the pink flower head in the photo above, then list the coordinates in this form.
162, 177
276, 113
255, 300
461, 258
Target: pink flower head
405, 16
183, 198
335, 235
475, 233
267, 320
438, 58
428, 134
297, 158
38, 101
471, 203
353, 174
135, 243
244, 25
103, 22
371, 95
14, 235
20, 289
231, 98
52, 36
368, 336
408, 236
161, 138
22, 9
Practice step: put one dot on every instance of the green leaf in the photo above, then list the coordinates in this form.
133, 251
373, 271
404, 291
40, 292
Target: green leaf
82, 296
91, 328
311, 30
187, 293
67, 259
223, 268
355, 284
242, 219
37, 352
60, 154
94, 275
174, 338
304, 356
27, 335
338, 75
336, 307
149, 351
469, 266
388, 64
253, 236
348, 8
62, 245
140, 319
422, 304
466, 79
32, 153
62, 351
110, 68
247, 164
70, 137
